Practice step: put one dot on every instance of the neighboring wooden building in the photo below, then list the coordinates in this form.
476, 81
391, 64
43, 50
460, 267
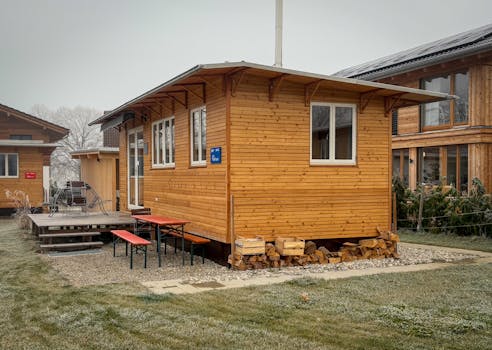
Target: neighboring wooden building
99, 167
241, 149
26, 143
447, 141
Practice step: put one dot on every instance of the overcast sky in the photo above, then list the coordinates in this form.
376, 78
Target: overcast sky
101, 53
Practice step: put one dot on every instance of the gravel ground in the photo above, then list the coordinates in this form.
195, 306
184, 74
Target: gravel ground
103, 268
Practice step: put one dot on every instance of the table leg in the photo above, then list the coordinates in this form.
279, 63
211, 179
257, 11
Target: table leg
183, 243
158, 229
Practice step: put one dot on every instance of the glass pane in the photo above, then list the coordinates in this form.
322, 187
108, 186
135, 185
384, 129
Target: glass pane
461, 105
429, 165
437, 113
131, 154
140, 153
12, 164
196, 135
204, 134
343, 133
463, 168
167, 141
172, 140
155, 144
2, 164
320, 137
451, 165
406, 162
160, 156
396, 162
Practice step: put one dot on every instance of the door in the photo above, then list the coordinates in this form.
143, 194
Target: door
135, 168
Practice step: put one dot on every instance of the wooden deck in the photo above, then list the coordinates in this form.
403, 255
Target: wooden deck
93, 221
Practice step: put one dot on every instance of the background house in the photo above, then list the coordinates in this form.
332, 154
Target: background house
26, 143
99, 167
448, 141
241, 149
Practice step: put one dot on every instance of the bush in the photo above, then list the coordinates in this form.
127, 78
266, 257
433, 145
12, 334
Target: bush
446, 210
23, 207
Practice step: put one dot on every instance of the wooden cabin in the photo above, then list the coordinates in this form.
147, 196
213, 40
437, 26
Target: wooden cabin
26, 143
448, 142
242, 149
99, 168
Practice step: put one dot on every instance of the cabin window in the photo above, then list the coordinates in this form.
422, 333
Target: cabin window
457, 167
446, 113
198, 124
9, 165
333, 133
163, 143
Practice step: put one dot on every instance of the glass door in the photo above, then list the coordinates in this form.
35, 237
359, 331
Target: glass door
135, 168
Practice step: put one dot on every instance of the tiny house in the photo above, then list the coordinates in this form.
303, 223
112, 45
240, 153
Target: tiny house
26, 144
242, 149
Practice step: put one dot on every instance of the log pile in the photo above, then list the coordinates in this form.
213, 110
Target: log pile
384, 246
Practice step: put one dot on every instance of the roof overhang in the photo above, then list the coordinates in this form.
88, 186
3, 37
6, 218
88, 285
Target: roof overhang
405, 96
95, 152
26, 143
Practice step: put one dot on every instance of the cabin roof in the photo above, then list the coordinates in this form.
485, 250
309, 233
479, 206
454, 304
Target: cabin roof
460, 45
95, 151
35, 120
200, 73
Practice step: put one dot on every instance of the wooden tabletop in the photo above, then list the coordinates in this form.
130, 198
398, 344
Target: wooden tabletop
160, 220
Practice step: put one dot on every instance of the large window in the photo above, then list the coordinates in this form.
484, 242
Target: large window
199, 136
163, 143
447, 165
9, 165
446, 113
333, 133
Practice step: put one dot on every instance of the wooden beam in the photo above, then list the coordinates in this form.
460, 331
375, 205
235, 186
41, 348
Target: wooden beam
390, 103
174, 98
274, 85
235, 79
202, 97
365, 98
309, 91
214, 85
152, 110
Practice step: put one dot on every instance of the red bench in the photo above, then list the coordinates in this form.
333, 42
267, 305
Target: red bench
193, 239
139, 243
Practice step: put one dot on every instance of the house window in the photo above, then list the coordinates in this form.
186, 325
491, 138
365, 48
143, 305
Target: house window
394, 122
9, 165
446, 113
457, 167
333, 133
163, 143
20, 137
199, 136
429, 165
401, 161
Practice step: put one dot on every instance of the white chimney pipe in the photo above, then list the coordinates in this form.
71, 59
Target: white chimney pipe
278, 32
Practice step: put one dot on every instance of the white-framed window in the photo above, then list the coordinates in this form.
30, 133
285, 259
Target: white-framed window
198, 126
333, 133
9, 165
163, 143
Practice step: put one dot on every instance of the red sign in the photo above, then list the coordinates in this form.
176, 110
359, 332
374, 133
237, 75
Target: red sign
29, 175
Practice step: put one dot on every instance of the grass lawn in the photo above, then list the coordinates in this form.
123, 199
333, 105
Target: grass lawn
443, 309
447, 240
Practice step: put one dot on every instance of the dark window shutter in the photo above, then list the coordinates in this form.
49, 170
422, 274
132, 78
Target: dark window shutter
394, 122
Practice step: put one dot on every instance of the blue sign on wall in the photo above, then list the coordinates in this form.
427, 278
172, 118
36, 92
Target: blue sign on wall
216, 155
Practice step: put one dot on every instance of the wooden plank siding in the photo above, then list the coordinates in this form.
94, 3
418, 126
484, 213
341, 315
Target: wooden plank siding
278, 193
197, 194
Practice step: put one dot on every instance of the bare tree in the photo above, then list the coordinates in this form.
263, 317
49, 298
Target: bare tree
81, 136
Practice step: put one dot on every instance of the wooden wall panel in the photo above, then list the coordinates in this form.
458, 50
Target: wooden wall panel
30, 160
10, 125
480, 164
101, 175
197, 194
276, 190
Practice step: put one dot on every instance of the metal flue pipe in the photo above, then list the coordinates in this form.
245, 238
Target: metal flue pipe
278, 32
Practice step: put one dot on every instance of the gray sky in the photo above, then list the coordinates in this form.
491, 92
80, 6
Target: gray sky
101, 53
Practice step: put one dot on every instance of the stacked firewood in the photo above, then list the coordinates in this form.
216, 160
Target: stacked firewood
381, 247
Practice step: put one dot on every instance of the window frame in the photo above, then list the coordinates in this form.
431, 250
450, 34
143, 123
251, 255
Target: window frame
200, 162
452, 103
6, 176
333, 161
164, 143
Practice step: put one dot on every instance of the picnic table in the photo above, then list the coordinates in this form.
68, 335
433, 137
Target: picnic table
162, 222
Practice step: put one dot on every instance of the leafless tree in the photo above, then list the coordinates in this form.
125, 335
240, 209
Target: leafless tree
81, 136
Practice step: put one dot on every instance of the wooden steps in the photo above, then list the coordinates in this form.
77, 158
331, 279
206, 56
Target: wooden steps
70, 245
69, 234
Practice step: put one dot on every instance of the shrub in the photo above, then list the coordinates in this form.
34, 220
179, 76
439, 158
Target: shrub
23, 207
